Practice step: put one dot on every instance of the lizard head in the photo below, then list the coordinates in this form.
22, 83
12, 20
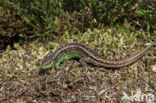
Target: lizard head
52, 61
48, 65
48, 62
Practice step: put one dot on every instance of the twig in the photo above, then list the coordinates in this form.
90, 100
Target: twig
136, 22
150, 7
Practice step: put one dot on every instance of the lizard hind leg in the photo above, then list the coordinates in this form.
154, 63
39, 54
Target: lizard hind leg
83, 61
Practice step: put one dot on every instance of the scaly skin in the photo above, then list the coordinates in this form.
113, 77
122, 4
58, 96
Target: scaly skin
86, 55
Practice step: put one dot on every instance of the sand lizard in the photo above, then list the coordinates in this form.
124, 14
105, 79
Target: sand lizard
86, 55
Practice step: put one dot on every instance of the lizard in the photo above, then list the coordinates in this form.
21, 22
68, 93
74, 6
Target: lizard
85, 55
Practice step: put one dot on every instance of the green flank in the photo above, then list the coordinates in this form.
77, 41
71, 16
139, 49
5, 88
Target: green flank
61, 59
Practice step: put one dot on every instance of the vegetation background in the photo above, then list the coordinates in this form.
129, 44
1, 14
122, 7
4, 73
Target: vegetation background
46, 18
29, 29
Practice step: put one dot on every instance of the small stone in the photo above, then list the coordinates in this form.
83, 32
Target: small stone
154, 67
